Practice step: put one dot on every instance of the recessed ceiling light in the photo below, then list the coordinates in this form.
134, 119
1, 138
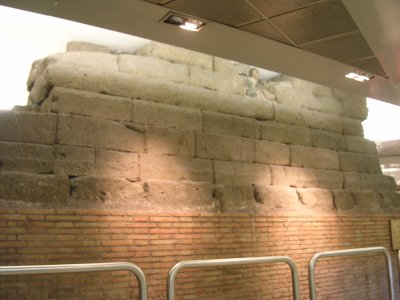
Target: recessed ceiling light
186, 23
359, 76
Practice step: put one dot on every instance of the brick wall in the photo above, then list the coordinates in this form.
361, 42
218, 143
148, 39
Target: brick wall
155, 242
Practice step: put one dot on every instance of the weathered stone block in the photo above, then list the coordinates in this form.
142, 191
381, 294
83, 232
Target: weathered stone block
329, 140
113, 191
33, 187
28, 127
117, 164
154, 68
231, 125
272, 153
353, 162
325, 121
360, 145
367, 200
374, 164
313, 198
309, 87
97, 133
390, 200
328, 179
76, 102
84, 46
73, 161
343, 200
377, 182
294, 177
352, 181
285, 133
163, 115
330, 104
170, 142
309, 157
176, 54
224, 147
235, 197
354, 106
175, 168
290, 114
241, 173
223, 65
352, 127
22, 157
276, 197
177, 196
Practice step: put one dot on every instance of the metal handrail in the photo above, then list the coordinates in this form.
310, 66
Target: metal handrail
357, 251
232, 261
78, 268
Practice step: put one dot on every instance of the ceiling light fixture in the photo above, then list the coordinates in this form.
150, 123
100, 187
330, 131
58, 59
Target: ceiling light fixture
359, 76
186, 23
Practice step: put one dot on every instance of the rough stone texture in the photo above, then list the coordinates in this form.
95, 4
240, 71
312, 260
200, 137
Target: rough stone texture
272, 153
352, 127
90, 132
316, 198
154, 68
22, 157
33, 187
114, 191
325, 121
352, 181
222, 82
353, 162
170, 142
73, 161
117, 164
235, 197
84, 46
224, 147
241, 173
276, 197
367, 200
294, 177
287, 114
354, 106
329, 140
374, 164
222, 65
328, 179
310, 157
76, 102
284, 133
27, 127
231, 125
183, 195
174, 54
175, 168
360, 145
343, 200
163, 115
378, 182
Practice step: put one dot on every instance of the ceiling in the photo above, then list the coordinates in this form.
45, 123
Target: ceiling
319, 41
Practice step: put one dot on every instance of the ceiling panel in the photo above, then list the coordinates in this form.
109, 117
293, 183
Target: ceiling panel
158, 1
315, 22
273, 7
344, 48
229, 12
265, 29
371, 65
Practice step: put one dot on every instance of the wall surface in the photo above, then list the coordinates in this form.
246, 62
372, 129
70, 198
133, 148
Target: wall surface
169, 155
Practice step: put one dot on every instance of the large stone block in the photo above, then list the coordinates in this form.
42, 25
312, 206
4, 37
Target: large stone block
76, 102
367, 200
22, 157
352, 127
352, 181
117, 164
34, 187
176, 54
374, 164
378, 182
222, 65
73, 161
324, 121
285, 133
328, 179
170, 142
272, 153
294, 177
360, 145
224, 147
343, 200
353, 162
142, 66
231, 125
354, 106
28, 127
329, 140
168, 195
310, 157
313, 198
97, 133
163, 115
276, 197
229, 172
113, 191
84, 46
290, 114
175, 168
235, 197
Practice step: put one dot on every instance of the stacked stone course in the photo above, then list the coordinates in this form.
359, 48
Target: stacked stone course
168, 129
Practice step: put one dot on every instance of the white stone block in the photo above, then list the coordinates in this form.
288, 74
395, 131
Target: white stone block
352, 127
290, 114
354, 106
272, 153
285, 133
327, 139
360, 145
229, 172
84, 46
311, 157
222, 65
324, 121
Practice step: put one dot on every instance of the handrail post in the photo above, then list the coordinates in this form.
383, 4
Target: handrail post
232, 261
346, 252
